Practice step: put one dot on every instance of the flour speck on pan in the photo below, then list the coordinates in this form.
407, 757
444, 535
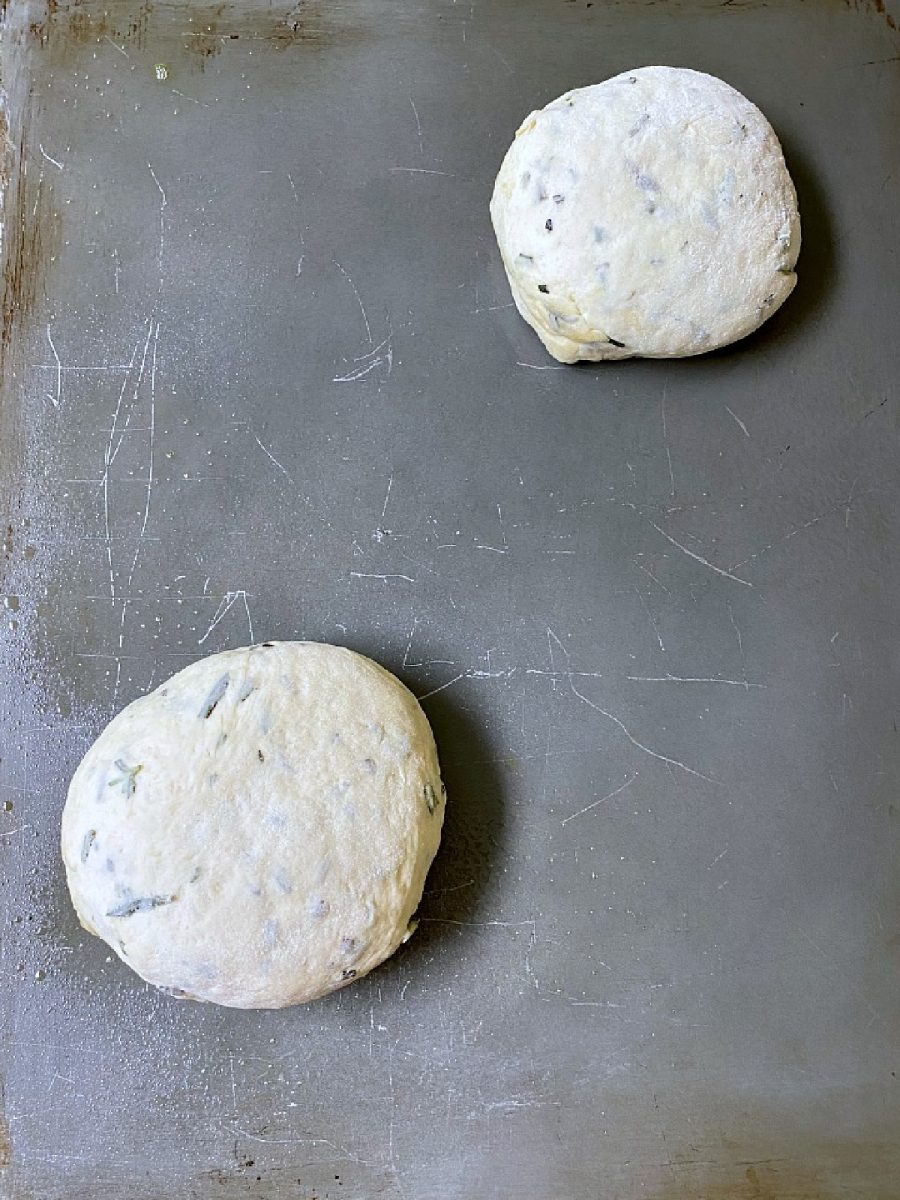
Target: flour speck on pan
650, 215
256, 832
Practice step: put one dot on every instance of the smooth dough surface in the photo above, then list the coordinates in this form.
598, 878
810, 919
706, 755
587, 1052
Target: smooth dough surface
256, 832
650, 215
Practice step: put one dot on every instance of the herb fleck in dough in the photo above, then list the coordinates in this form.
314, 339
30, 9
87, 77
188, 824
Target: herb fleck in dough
256, 832
650, 215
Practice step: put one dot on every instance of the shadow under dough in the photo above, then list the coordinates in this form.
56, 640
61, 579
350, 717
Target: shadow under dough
473, 834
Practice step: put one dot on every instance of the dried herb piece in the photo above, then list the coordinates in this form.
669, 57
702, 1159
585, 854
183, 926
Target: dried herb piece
139, 904
430, 798
542, 287
410, 930
87, 844
260, 756
209, 705
348, 974
548, 225
127, 778
612, 341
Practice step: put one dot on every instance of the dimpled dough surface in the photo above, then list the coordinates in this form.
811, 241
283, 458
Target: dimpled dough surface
650, 215
256, 832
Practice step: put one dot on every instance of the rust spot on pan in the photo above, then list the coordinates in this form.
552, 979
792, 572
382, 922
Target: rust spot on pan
5, 1143
30, 233
876, 6
801, 1167
203, 29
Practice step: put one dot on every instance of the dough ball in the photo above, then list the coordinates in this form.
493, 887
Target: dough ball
256, 832
649, 215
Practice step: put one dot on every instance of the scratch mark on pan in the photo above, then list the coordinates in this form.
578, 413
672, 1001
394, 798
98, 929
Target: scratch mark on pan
357, 373
393, 1102
120, 49
602, 800
268, 453
54, 400
293, 1141
466, 675
744, 428
193, 99
535, 367
233, 1085
373, 358
693, 679
362, 308
502, 531
646, 607
699, 558
418, 124
10, 832
109, 455
718, 858
387, 496
449, 683
50, 158
409, 644
673, 762
225, 605
299, 230
740, 640
369, 575
151, 438
443, 891
792, 533
481, 924
666, 439
421, 171
647, 571
162, 223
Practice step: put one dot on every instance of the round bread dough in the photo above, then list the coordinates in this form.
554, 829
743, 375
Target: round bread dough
256, 832
648, 215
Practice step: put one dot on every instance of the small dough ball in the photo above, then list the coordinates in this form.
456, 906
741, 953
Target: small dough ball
651, 215
256, 832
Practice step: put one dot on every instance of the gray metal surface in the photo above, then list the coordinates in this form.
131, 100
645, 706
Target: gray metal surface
262, 380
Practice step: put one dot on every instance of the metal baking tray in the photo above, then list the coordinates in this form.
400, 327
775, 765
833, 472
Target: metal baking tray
262, 379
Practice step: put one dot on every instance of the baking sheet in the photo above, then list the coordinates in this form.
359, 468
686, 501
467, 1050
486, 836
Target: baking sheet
262, 379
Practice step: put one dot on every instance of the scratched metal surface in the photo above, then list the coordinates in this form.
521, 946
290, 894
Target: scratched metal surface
262, 380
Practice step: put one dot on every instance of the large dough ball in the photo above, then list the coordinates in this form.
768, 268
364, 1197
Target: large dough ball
256, 832
648, 215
